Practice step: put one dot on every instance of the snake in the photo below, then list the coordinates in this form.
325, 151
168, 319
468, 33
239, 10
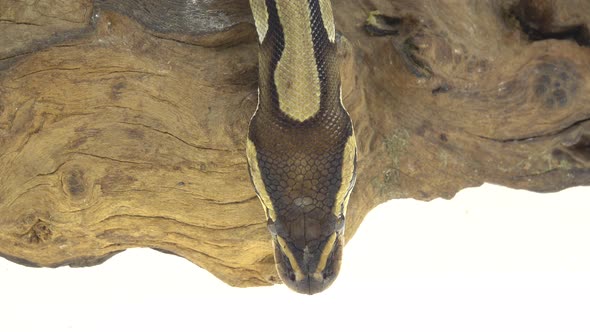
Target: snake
301, 146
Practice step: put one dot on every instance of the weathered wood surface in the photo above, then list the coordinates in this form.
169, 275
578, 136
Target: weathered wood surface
122, 122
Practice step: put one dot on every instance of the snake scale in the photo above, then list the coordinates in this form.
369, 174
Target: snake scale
301, 146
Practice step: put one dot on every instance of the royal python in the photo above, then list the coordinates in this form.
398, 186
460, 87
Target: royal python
301, 147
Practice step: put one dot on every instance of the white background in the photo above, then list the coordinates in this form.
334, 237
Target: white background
491, 259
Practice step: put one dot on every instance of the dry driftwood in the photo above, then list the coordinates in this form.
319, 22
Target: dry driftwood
123, 122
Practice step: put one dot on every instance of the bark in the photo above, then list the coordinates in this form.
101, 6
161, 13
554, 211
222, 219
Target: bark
123, 122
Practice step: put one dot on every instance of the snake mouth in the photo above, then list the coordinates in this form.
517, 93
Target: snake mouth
309, 271
311, 285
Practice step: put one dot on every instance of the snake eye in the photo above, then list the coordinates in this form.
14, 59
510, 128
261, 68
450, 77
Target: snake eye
271, 227
339, 225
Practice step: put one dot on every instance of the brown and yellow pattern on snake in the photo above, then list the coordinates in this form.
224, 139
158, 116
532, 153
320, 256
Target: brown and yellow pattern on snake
301, 146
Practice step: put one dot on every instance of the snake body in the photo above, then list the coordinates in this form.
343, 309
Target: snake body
301, 146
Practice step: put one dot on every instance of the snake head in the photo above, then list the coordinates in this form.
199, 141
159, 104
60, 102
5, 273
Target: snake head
310, 268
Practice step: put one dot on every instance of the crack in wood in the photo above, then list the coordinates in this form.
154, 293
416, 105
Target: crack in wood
175, 40
533, 137
198, 197
19, 22
166, 218
28, 190
54, 171
47, 70
16, 55
109, 158
169, 134
106, 71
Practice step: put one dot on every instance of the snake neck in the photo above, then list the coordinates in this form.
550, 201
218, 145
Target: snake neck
298, 74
